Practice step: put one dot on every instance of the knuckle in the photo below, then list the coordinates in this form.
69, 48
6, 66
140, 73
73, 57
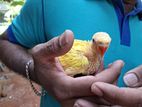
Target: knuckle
54, 45
49, 47
57, 42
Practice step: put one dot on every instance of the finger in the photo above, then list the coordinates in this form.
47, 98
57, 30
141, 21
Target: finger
86, 101
82, 86
134, 77
56, 46
110, 74
82, 102
129, 97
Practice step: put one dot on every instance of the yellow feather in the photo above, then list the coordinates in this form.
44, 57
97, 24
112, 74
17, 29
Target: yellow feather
76, 61
85, 56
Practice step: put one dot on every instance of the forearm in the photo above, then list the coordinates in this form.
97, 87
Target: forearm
16, 57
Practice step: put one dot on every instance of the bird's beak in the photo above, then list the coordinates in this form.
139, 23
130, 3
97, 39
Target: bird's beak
102, 50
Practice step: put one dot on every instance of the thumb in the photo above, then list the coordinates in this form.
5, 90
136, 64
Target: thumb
55, 47
133, 78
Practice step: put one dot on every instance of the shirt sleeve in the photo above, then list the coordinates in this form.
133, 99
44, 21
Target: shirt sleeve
27, 28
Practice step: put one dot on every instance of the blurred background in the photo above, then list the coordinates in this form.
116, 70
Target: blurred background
15, 91
8, 10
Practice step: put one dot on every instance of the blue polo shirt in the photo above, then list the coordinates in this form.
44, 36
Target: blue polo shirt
41, 20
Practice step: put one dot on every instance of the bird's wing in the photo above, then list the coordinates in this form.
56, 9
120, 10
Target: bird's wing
75, 61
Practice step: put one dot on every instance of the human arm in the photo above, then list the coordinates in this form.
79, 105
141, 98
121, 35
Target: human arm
49, 72
11, 54
20, 36
54, 84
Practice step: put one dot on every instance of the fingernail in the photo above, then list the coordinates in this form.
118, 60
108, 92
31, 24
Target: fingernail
96, 90
109, 65
130, 79
64, 39
119, 61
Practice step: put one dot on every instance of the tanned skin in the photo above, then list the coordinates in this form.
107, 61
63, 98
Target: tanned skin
15, 53
48, 72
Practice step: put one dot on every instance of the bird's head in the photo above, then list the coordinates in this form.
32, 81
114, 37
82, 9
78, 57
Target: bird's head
101, 41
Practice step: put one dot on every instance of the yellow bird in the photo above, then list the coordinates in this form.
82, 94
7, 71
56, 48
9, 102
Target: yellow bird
85, 57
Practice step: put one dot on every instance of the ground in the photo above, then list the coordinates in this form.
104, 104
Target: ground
18, 91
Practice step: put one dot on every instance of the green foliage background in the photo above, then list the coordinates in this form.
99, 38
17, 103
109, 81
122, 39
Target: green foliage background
9, 9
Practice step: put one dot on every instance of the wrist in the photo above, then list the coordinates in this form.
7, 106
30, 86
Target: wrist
32, 68
32, 72
29, 66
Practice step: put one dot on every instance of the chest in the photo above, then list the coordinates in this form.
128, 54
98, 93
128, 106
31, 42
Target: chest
83, 17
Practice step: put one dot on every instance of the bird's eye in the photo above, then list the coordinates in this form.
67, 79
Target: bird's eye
93, 40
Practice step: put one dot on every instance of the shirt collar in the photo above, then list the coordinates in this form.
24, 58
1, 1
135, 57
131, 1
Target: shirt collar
137, 8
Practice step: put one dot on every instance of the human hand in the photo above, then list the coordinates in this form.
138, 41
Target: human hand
50, 73
95, 101
109, 75
129, 96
